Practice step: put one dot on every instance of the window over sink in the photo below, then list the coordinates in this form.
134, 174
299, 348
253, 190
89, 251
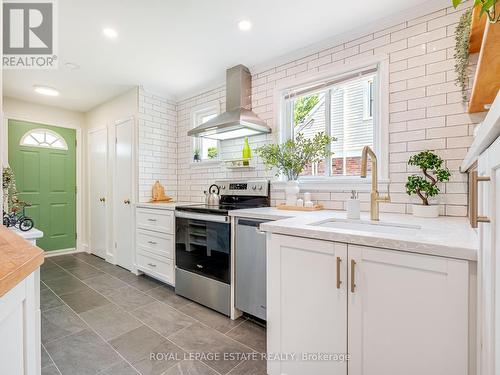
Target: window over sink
348, 103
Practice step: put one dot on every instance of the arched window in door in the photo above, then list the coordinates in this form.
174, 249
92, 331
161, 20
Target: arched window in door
43, 138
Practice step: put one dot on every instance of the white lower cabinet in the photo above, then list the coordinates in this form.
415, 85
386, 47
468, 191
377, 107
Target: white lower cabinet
20, 328
155, 245
407, 313
392, 312
308, 313
489, 260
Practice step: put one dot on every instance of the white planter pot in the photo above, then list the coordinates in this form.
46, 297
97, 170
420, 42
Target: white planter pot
420, 210
292, 190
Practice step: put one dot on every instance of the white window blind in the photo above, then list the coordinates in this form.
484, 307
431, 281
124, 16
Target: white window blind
336, 107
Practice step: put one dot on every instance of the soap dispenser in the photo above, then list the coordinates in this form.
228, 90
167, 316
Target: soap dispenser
353, 206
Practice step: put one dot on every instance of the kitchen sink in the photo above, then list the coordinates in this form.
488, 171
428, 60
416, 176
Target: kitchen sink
369, 226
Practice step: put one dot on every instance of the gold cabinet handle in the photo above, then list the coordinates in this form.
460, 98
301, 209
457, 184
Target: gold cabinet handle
474, 217
353, 283
126, 201
339, 282
102, 199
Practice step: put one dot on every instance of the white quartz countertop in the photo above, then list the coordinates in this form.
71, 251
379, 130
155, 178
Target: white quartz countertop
163, 206
265, 213
444, 236
32, 234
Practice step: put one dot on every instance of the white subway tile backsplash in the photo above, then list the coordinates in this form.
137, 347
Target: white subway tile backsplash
428, 101
409, 32
426, 112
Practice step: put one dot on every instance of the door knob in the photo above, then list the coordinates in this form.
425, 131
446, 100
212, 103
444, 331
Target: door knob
126, 201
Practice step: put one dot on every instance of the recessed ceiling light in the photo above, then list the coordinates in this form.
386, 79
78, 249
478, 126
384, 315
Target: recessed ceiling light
45, 90
72, 66
244, 25
110, 33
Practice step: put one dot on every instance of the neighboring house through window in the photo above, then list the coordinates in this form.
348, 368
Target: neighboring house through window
208, 149
345, 106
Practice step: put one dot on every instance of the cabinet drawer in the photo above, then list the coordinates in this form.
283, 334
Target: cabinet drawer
157, 220
155, 242
155, 266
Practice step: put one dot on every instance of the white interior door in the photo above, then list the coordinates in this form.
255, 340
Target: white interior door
489, 261
306, 305
123, 194
98, 178
407, 313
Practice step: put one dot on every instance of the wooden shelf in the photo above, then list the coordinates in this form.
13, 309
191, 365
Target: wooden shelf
487, 78
476, 30
239, 164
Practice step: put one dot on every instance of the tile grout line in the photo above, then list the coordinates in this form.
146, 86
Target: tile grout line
52, 359
111, 302
92, 329
236, 326
156, 300
170, 306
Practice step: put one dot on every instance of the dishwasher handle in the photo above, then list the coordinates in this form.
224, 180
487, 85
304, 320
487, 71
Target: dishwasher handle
252, 223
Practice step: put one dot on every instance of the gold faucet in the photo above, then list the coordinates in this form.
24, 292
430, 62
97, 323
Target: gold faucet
375, 197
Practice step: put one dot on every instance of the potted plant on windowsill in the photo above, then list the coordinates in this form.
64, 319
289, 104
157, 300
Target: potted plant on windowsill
426, 187
196, 155
291, 157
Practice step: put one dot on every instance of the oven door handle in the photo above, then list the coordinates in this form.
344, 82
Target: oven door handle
204, 217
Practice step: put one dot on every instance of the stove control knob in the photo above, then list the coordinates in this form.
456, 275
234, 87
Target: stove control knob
254, 187
260, 187
223, 187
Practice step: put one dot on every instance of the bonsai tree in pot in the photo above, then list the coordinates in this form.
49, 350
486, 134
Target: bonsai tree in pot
426, 186
291, 157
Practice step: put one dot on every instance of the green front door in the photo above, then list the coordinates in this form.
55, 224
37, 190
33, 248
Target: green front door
44, 164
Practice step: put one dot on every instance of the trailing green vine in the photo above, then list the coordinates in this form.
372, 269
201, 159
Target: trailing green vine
462, 38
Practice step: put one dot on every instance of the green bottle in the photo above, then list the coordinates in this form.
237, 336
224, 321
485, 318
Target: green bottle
247, 153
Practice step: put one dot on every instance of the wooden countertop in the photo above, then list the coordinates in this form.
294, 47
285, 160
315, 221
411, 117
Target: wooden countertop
18, 259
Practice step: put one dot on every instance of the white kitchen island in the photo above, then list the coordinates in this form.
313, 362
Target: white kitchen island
19, 304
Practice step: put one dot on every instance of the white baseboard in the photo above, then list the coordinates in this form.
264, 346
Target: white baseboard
54, 253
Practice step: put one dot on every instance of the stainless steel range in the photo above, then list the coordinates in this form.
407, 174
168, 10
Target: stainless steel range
203, 242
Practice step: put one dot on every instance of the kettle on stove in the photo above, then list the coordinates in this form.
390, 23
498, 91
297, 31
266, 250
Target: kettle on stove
212, 197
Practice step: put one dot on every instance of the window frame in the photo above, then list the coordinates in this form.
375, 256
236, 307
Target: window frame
380, 118
197, 113
41, 144
368, 100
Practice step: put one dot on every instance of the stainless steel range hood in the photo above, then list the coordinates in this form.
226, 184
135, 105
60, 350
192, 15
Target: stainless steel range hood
239, 120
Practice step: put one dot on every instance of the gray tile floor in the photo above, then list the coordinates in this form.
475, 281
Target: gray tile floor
101, 319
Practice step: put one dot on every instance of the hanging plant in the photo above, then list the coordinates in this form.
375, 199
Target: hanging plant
487, 7
462, 38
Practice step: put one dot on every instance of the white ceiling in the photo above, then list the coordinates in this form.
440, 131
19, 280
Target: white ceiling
175, 48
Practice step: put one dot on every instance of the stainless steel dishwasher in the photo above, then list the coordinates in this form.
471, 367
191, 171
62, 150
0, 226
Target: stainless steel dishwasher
250, 257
